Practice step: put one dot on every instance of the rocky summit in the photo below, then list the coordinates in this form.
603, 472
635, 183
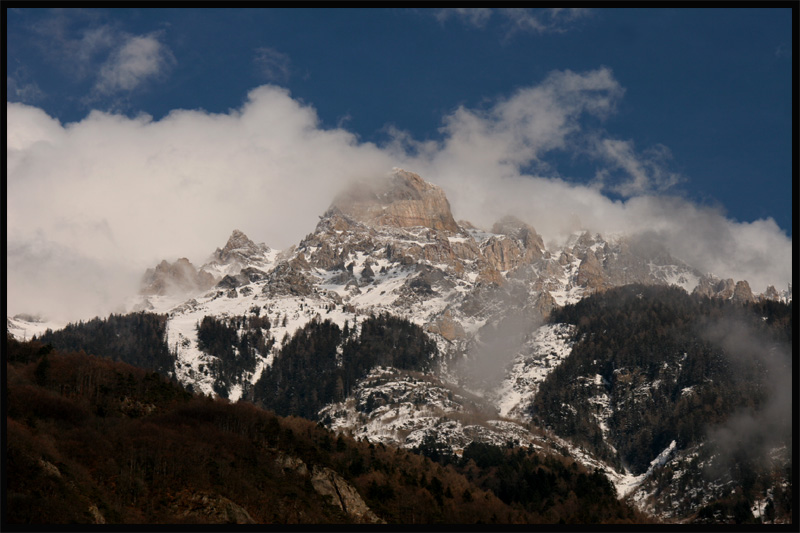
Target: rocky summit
401, 200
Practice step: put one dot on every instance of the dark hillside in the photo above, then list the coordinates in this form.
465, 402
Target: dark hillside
90, 440
658, 365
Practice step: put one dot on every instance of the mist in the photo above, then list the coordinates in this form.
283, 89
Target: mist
751, 434
92, 204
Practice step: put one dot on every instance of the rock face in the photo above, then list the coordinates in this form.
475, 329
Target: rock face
209, 508
742, 292
727, 289
528, 241
590, 272
402, 200
239, 262
502, 253
180, 277
240, 248
447, 327
328, 483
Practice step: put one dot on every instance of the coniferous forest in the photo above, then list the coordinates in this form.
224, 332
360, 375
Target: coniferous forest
321, 363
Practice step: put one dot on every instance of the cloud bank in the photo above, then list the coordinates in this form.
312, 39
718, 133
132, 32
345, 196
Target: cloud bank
92, 204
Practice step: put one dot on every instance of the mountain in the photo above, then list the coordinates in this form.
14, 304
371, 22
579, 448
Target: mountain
392, 321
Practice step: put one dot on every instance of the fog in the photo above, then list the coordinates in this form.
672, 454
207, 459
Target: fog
92, 204
751, 434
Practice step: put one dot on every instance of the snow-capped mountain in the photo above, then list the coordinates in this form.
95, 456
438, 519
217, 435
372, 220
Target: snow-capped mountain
392, 246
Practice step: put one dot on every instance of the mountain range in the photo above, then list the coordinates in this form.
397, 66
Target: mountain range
395, 323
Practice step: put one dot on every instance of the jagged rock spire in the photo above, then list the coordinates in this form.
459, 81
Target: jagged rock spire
239, 248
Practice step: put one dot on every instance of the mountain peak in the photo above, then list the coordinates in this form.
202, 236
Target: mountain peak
239, 248
180, 277
401, 199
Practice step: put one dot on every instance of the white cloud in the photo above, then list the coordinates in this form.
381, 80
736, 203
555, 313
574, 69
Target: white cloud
475, 16
549, 20
92, 204
85, 47
644, 173
139, 59
272, 64
75, 52
23, 92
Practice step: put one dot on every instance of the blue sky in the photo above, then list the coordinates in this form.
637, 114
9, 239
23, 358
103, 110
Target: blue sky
714, 86
621, 117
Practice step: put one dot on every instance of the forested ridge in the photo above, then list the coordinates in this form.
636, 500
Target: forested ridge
91, 440
656, 365
321, 362
637, 336
138, 339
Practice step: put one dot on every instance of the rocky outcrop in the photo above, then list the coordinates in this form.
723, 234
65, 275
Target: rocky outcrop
286, 279
342, 494
245, 276
705, 287
742, 292
402, 200
515, 243
544, 304
590, 272
530, 243
502, 253
328, 483
727, 289
288, 462
209, 508
447, 327
180, 277
772, 293
97, 516
724, 289
490, 276
240, 248
49, 468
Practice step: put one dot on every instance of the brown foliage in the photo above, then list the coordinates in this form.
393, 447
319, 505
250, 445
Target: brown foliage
93, 440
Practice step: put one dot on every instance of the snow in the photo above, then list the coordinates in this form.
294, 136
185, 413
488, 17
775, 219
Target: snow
409, 407
235, 393
548, 347
25, 328
627, 483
